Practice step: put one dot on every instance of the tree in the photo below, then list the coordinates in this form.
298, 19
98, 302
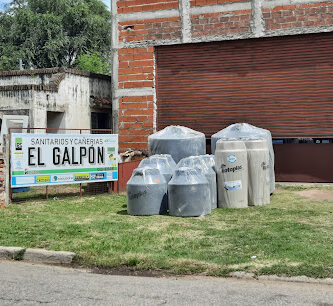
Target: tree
93, 62
53, 33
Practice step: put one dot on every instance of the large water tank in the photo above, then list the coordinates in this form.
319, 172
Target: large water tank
198, 163
188, 194
147, 193
240, 130
258, 167
162, 162
232, 173
178, 141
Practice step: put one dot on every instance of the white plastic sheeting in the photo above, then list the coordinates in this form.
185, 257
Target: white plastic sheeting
147, 193
209, 160
162, 162
258, 170
188, 194
232, 173
178, 141
198, 163
241, 130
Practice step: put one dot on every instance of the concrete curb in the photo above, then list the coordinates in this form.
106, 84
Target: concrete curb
36, 255
49, 257
296, 279
11, 252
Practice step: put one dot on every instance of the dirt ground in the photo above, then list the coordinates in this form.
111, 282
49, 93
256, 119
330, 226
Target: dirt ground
317, 194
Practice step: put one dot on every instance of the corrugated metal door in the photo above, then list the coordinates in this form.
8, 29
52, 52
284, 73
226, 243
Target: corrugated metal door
284, 84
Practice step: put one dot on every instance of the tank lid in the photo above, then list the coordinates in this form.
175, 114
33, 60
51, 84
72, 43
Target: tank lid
176, 132
187, 176
146, 175
255, 144
228, 144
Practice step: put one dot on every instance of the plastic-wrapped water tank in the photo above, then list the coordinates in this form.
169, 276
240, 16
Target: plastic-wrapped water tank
188, 194
146, 193
209, 160
162, 162
232, 173
178, 141
258, 171
198, 163
240, 130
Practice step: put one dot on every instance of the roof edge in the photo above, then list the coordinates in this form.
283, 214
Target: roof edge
54, 70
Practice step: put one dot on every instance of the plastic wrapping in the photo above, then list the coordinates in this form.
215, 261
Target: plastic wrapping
162, 162
232, 173
146, 193
198, 163
241, 130
209, 160
178, 141
258, 171
188, 194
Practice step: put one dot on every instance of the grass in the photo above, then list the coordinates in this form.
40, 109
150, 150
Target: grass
291, 236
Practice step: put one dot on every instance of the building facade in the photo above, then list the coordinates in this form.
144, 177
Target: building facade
206, 64
52, 98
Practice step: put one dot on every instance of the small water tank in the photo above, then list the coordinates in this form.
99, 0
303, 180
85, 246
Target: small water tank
147, 193
209, 160
198, 163
232, 173
178, 141
258, 167
188, 194
239, 130
162, 162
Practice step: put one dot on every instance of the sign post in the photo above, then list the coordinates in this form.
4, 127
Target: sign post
55, 159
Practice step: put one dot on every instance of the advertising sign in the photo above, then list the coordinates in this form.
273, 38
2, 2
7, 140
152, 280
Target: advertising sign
54, 159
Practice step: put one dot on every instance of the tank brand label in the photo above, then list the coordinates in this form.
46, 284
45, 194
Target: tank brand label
264, 166
137, 195
232, 169
232, 158
233, 185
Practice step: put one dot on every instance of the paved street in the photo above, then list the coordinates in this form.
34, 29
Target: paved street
28, 284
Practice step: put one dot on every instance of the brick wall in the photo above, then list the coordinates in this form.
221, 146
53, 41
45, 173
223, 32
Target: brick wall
211, 2
131, 6
298, 16
151, 29
221, 23
140, 25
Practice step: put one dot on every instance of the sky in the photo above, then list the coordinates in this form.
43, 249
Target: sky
3, 2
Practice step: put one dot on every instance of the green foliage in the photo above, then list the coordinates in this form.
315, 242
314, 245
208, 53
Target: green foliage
53, 33
93, 62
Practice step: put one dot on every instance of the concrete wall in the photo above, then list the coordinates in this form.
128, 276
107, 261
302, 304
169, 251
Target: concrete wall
58, 90
138, 26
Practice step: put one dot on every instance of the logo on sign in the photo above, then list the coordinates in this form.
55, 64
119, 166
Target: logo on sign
18, 144
97, 176
82, 177
62, 178
43, 179
232, 158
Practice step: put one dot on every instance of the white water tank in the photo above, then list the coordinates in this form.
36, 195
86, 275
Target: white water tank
178, 141
188, 194
232, 173
240, 130
258, 167
147, 193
